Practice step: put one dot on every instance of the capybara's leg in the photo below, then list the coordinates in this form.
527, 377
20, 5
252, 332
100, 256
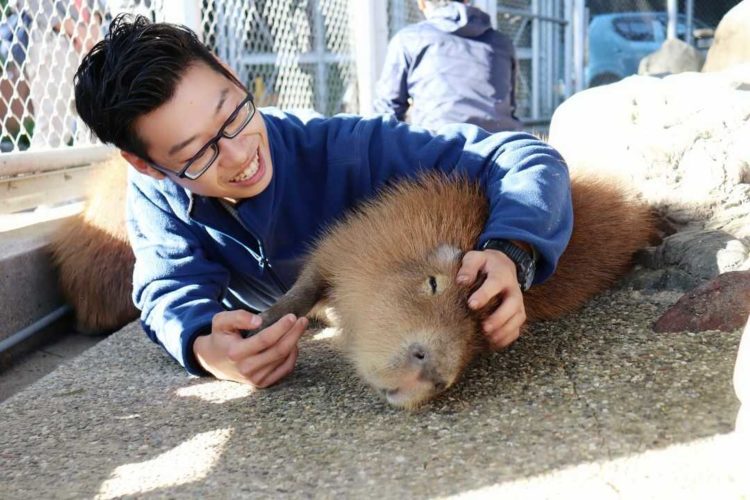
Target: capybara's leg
307, 291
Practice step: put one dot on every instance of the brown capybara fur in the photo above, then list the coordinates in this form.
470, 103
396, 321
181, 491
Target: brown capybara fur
93, 256
388, 271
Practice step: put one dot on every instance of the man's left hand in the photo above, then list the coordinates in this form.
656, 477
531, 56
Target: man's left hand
503, 326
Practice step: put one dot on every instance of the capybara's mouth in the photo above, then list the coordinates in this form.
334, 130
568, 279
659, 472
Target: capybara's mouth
412, 398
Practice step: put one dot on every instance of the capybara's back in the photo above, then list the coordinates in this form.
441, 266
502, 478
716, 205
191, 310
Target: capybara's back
609, 226
93, 257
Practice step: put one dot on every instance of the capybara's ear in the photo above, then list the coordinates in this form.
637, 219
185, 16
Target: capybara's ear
446, 255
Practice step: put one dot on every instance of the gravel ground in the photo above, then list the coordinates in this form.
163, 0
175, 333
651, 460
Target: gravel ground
592, 404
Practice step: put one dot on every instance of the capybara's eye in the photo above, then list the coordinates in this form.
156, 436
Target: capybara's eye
435, 285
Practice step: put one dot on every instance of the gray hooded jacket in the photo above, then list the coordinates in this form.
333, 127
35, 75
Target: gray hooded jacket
455, 68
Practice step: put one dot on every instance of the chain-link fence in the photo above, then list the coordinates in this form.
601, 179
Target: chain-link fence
402, 13
291, 54
41, 44
537, 30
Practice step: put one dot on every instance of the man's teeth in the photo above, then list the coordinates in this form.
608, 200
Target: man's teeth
250, 171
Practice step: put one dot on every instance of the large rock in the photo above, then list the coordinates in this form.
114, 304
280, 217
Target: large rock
682, 142
674, 56
689, 258
681, 139
731, 43
721, 304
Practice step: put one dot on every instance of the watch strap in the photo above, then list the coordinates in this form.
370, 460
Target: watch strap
525, 263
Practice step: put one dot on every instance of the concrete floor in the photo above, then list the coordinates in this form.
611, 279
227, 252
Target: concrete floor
30, 367
595, 405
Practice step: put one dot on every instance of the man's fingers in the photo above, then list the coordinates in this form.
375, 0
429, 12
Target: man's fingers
279, 351
471, 264
503, 326
508, 333
234, 321
262, 340
256, 366
511, 305
279, 372
489, 289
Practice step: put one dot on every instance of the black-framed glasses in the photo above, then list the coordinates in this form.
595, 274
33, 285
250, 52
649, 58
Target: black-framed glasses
205, 157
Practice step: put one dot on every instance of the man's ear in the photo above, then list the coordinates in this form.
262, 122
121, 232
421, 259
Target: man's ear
421, 5
142, 165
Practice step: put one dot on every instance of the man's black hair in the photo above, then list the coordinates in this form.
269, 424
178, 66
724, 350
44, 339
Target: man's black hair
131, 72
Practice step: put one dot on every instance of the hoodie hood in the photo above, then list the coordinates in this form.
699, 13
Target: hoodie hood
461, 19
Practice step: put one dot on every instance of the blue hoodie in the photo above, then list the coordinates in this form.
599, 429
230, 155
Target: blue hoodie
196, 257
455, 68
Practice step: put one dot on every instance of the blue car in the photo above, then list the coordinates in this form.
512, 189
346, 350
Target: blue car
617, 42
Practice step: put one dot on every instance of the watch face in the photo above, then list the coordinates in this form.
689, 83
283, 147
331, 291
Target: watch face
528, 276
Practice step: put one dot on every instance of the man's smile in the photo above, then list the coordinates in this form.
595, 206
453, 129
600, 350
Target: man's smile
252, 172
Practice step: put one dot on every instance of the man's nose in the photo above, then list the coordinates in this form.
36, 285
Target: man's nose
233, 151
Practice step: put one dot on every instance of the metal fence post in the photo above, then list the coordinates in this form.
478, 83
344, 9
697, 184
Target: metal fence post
490, 7
321, 68
186, 12
689, 10
580, 27
535, 52
568, 65
369, 21
671, 19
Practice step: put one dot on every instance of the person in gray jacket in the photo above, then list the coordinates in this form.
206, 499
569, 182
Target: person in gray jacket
454, 67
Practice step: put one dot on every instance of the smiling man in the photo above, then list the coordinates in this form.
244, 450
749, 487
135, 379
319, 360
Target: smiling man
225, 199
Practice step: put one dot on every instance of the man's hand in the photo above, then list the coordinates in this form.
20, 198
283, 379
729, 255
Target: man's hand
260, 360
503, 326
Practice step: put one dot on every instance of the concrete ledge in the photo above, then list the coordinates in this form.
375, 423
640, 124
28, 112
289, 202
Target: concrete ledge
594, 405
28, 282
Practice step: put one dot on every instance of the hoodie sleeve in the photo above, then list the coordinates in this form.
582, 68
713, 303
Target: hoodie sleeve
526, 180
176, 287
392, 91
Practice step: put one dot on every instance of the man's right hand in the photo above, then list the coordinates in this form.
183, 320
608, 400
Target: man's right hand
260, 360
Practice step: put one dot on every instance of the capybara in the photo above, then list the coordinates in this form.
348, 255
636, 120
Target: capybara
388, 270
92, 254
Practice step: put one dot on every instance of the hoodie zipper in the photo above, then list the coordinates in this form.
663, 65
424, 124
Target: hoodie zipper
259, 257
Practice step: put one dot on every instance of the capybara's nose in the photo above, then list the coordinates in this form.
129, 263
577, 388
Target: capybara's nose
418, 354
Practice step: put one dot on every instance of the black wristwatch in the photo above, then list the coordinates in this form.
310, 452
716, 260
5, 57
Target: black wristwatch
525, 264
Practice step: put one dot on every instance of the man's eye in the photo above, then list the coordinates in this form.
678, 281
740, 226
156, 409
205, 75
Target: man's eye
233, 119
238, 114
